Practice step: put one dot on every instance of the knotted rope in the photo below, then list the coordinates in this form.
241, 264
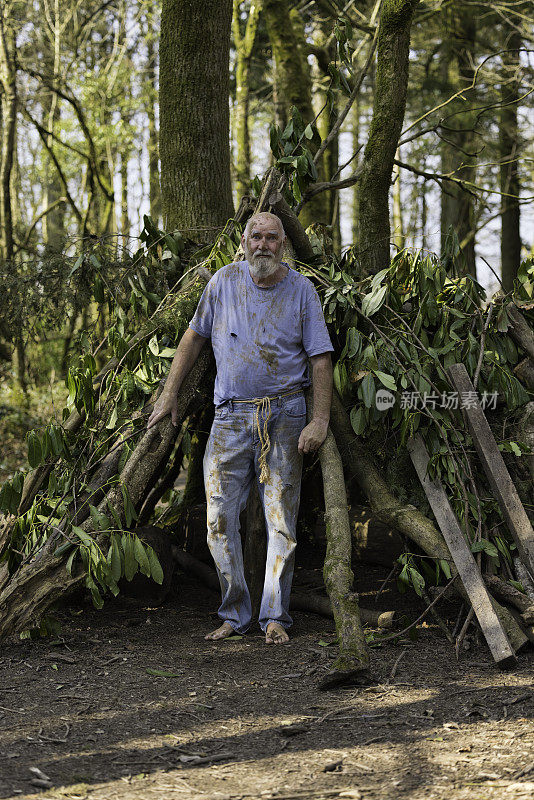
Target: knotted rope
263, 406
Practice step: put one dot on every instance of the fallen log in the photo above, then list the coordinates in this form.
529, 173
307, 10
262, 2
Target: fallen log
512, 596
524, 371
520, 330
526, 628
299, 600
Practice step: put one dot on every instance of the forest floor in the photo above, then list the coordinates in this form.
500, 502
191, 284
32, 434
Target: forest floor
90, 710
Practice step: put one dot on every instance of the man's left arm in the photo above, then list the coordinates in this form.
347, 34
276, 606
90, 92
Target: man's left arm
314, 434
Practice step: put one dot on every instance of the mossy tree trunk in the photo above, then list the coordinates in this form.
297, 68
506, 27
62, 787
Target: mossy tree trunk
293, 86
338, 578
150, 107
509, 142
459, 145
194, 115
327, 166
293, 83
388, 115
243, 42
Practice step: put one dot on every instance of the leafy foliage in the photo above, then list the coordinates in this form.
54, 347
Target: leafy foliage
146, 320
398, 332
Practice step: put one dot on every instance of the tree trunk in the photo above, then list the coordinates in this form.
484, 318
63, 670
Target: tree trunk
353, 656
509, 142
293, 84
386, 124
9, 121
194, 115
54, 221
457, 205
150, 108
243, 45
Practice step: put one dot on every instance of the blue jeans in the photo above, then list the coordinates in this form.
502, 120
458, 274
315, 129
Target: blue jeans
231, 462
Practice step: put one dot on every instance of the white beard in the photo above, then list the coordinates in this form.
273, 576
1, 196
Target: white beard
261, 266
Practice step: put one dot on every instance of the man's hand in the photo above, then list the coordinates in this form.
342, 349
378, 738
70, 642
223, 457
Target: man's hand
164, 405
313, 435
186, 354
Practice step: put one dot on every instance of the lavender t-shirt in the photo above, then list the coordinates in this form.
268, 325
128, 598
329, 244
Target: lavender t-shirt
261, 338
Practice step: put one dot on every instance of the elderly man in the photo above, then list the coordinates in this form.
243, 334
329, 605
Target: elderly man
265, 321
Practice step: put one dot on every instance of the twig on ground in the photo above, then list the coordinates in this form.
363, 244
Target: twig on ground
53, 740
462, 633
395, 665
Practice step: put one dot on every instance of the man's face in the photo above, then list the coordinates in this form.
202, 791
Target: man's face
263, 247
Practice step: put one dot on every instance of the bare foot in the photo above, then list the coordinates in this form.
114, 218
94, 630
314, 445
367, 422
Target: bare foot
275, 634
223, 632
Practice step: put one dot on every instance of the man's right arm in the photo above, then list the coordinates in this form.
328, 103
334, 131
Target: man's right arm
186, 354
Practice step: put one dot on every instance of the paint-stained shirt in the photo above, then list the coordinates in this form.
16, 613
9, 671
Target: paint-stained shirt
261, 337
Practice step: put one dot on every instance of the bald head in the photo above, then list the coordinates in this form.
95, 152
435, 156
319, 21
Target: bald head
267, 218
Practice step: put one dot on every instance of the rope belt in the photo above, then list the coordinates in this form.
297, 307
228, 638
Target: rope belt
263, 405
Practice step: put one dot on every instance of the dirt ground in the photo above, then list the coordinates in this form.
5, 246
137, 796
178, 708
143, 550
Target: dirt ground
91, 712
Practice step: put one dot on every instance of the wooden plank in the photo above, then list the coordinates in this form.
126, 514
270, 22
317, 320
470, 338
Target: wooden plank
466, 565
498, 476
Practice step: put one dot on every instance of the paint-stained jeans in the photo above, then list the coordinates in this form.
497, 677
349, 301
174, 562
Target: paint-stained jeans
230, 465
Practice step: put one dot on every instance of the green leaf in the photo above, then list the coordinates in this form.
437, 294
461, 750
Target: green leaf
70, 561
101, 521
141, 556
368, 391
446, 568
113, 419
82, 536
153, 345
130, 561
486, 547
386, 380
418, 582
98, 601
77, 265
130, 513
35, 451
357, 419
372, 302
115, 558
155, 567
56, 440
517, 585
308, 132
167, 352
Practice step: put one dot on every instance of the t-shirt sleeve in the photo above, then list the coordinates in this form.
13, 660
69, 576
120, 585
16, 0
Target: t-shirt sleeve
315, 338
202, 321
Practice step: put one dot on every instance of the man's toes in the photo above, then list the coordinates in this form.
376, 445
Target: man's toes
221, 633
275, 634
